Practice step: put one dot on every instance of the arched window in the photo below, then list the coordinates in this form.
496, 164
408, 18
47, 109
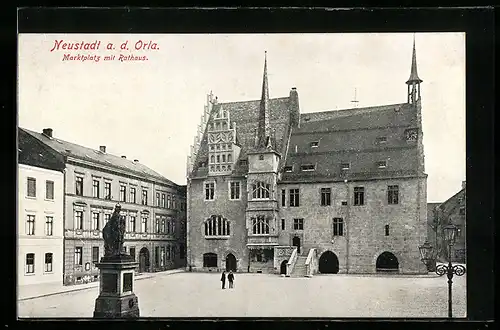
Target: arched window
260, 190
229, 158
212, 159
260, 225
224, 126
223, 158
216, 225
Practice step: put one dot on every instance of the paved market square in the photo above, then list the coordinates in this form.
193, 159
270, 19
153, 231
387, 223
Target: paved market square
185, 294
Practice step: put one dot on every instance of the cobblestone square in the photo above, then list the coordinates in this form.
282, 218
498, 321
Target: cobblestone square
261, 295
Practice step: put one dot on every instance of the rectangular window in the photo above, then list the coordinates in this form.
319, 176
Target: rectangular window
132, 252
382, 164
326, 196
95, 254
162, 200
30, 263
162, 256
30, 225
381, 139
79, 186
283, 197
132, 195
95, 221
338, 227
294, 197
307, 168
288, 168
123, 193
298, 224
144, 197
174, 205
49, 225
95, 188
359, 196
162, 225
283, 224
235, 190
107, 216
345, 166
392, 194
386, 230
157, 224
157, 256
132, 220
49, 190
107, 190
314, 144
79, 220
169, 201
157, 199
31, 187
144, 224
48, 263
209, 190
78, 255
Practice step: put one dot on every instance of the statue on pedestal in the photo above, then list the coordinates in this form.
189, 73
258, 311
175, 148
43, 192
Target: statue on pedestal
113, 233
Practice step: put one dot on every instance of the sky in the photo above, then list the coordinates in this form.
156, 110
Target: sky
150, 110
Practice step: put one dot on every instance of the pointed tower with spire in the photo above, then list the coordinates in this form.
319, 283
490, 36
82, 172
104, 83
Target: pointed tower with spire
264, 132
414, 81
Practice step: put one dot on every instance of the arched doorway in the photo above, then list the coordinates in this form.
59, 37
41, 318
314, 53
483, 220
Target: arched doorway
296, 242
387, 262
230, 262
283, 267
328, 263
143, 260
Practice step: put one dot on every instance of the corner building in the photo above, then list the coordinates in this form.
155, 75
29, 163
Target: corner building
272, 190
94, 182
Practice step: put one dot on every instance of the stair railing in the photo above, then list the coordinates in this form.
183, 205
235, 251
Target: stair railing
291, 263
311, 262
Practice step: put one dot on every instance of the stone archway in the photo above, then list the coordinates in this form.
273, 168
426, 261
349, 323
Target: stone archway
387, 262
296, 242
328, 263
144, 260
283, 267
231, 262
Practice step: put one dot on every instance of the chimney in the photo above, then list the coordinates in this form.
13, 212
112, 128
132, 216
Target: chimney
463, 184
124, 157
47, 132
102, 148
136, 160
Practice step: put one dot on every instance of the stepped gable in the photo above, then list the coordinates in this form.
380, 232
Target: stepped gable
80, 152
351, 136
246, 116
34, 153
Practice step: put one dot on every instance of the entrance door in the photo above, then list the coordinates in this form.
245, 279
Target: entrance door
230, 262
296, 242
143, 260
328, 263
387, 262
283, 267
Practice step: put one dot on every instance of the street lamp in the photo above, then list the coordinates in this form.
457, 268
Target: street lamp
450, 270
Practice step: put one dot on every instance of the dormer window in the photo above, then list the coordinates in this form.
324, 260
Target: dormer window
288, 168
381, 139
307, 167
314, 144
382, 164
345, 166
243, 162
261, 157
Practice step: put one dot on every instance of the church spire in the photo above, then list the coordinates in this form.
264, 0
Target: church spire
414, 81
264, 128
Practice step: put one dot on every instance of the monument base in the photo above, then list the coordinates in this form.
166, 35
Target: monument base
116, 297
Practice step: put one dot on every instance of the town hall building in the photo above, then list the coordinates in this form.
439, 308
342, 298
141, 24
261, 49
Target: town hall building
274, 190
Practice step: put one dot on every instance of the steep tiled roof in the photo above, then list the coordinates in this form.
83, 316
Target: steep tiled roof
350, 136
80, 152
33, 152
246, 116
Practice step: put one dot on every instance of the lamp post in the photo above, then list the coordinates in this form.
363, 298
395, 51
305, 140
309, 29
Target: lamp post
450, 270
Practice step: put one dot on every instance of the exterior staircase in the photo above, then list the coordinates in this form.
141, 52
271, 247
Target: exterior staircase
300, 267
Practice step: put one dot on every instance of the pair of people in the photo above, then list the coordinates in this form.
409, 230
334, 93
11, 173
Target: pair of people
230, 278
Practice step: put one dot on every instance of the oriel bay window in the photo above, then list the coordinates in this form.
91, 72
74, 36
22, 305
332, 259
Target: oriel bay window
261, 190
260, 225
216, 225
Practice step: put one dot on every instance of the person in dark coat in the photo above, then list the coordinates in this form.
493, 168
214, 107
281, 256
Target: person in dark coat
223, 279
230, 278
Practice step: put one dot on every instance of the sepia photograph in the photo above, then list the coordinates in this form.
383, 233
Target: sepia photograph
291, 175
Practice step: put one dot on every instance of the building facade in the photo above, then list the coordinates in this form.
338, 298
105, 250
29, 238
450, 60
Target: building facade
274, 190
452, 211
40, 213
94, 183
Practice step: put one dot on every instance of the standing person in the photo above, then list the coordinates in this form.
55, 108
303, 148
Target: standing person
223, 279
230, 278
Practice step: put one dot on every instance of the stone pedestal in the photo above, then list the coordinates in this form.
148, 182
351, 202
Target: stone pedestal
116, 297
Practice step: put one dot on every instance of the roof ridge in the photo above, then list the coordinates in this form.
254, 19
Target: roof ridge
257, 100
374, 108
